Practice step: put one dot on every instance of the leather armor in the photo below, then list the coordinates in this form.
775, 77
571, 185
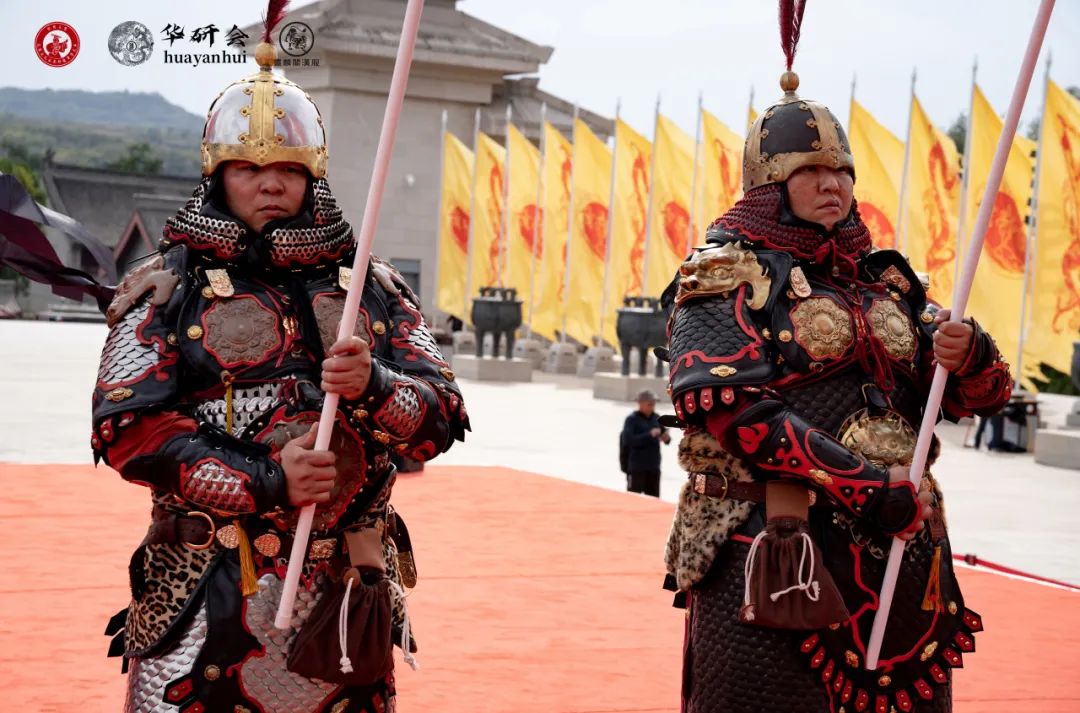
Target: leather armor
812, 365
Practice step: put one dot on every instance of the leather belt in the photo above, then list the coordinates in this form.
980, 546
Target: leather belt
199, 531
721, 487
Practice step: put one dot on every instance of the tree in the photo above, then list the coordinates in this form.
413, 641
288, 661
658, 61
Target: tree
958, 132
1035, 124
140, 158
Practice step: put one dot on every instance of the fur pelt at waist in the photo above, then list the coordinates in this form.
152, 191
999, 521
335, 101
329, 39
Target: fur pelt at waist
703, 523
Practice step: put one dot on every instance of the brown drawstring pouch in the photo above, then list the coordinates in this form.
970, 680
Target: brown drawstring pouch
348, 639
787, 585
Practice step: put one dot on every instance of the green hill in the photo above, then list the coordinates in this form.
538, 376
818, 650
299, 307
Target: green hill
138, 110
98, 146
33, 122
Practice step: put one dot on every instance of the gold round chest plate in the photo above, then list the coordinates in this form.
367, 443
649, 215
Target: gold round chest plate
822, 327
893, 327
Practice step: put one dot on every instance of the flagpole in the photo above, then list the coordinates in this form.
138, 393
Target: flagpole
569, 228
750, 108
442, 197
901, 223
959, 304
538, 225
1032, 235
504, 239
472, 214
350, 312
649, 212
851, 105
965, 185
694, 176
604, 302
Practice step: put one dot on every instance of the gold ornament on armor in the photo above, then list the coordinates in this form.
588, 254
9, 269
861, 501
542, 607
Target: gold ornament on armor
822, 327
719, 271
884, 440
889, 324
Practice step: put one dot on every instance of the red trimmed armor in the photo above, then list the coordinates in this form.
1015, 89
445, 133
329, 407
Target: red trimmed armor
211, 366
808, 358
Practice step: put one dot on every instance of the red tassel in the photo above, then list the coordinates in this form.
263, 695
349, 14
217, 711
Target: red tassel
275, 13
791, 15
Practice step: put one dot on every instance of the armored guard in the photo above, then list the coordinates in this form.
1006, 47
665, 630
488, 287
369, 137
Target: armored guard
220, 349
800, 360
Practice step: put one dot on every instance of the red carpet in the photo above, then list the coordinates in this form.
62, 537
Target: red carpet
535, 595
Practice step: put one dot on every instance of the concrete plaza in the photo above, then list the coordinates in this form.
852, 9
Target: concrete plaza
1004, 508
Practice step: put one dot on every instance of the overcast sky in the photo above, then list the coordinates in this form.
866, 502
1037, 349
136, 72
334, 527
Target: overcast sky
635, 49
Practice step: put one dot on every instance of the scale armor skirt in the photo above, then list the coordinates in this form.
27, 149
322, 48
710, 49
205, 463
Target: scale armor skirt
731, 667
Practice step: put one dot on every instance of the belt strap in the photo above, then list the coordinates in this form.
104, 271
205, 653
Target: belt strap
720, 486
782, 498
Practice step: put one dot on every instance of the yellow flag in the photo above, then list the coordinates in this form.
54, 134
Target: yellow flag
554, 219
670, 223
488, 221
879, 166
524, 216
454, 226
588, 234
998, 290
722, 152
933, 203
1055, 316
633, 153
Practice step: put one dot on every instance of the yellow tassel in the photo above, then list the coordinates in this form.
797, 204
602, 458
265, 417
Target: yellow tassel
932, 598
248, 583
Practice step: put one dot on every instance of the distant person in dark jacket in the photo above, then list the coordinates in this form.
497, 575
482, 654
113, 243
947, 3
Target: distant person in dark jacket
640, 442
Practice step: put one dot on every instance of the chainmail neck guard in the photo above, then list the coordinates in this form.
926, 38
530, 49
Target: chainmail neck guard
762, 216
314, 236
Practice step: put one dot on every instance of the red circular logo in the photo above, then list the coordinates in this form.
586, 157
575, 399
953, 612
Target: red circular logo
57, 44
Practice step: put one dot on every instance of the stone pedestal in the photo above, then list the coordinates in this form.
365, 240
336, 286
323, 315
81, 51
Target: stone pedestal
468, 366
1072, 420
1058, 447
597, 360
531, 350
626, 388
464, 342
561, 358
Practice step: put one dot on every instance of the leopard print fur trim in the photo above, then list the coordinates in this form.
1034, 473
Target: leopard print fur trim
701, 523
171, 574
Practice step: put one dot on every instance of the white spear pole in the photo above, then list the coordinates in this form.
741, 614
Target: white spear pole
960, 298
351, 310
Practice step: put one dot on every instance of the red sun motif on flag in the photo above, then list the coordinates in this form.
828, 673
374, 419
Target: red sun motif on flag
880, 227
676, 227
1005, 238
57, 44
529, 220
459, 227
594, 219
